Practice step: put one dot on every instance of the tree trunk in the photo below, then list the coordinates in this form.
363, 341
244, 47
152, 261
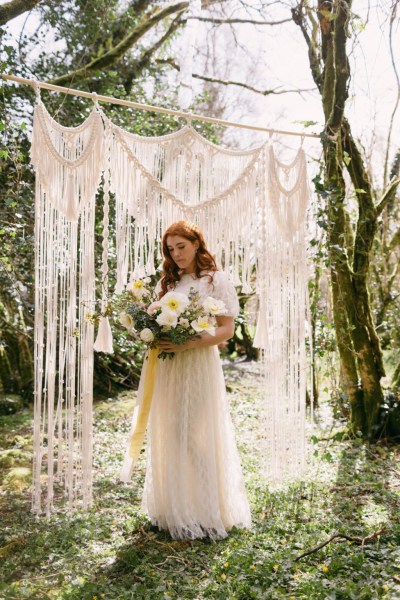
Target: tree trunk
358, 344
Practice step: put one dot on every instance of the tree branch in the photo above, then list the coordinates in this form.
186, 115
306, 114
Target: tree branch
144, 61
388, 195
395, 241
13, 9
397, 102
341, 65
108, 59
365, 235
233, 21
312, 44
343, 536
172, 63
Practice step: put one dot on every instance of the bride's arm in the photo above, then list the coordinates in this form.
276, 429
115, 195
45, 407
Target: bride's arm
224, 331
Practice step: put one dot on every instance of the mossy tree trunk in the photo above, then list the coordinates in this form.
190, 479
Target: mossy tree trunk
358, 343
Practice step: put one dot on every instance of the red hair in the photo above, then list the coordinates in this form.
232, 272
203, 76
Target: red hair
204, 260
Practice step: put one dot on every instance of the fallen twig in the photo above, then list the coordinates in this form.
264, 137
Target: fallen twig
343, 536
185, 562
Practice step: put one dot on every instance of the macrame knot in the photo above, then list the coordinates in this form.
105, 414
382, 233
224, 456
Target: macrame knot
95, 99
36, 88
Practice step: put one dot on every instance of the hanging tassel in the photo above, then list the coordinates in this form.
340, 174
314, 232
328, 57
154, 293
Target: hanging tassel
104, 340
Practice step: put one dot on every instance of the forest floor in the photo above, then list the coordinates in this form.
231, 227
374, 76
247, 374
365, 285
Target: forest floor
111, 552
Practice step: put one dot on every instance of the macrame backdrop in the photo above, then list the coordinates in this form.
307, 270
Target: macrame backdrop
252, 209
68, 164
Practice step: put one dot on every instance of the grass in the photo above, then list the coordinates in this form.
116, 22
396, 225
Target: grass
110, 552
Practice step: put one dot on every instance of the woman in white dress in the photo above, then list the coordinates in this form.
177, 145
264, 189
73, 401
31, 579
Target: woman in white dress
194, 486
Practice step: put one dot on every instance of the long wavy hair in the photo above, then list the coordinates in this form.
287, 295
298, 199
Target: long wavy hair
204, 260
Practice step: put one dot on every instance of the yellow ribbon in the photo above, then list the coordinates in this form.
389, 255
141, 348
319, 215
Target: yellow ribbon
144, 410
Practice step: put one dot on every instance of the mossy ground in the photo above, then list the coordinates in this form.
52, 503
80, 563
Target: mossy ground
111, 553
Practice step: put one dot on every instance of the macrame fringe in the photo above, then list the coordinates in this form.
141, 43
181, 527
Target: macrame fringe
68, 164
252, 208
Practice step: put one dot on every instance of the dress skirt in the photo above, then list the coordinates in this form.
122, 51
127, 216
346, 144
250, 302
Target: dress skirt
194, 486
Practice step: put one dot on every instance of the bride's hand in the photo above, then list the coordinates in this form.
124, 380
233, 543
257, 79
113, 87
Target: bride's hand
168, 346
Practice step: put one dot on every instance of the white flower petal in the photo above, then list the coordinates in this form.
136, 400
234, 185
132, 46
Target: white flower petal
168, 318
126, 320
213, 306
146, 335
175, 302
203, 324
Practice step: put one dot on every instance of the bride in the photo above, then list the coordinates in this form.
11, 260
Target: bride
193, 486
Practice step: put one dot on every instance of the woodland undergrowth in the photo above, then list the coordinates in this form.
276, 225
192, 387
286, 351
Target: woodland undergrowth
334, 534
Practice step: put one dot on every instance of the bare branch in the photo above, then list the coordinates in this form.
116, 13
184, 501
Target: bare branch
344, 536
395, 241
276, 91
172, 63
311, 41
13, 9
388, 195
144, 61
233, 21
396, 105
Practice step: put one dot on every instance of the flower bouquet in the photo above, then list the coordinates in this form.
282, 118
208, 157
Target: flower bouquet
176, 317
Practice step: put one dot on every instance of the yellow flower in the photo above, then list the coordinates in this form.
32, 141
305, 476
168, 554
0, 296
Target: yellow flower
252, 567
137, 285
324, 568
385, 587
276, 567
223, 576
137, 288
226, 565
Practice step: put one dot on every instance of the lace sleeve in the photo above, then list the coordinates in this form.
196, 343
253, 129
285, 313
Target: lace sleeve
223, 289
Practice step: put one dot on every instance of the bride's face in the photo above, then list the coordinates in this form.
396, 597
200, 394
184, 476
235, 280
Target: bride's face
183, 252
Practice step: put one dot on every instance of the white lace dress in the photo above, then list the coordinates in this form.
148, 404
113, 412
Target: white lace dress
194, 486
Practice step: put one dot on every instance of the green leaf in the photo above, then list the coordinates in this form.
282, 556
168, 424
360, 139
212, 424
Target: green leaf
306, 123
346, 158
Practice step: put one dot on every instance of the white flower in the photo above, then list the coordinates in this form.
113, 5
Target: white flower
167, 318
203, 324
184, 323
126, 320
137, 288
175, 302
213, 306
146, 335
